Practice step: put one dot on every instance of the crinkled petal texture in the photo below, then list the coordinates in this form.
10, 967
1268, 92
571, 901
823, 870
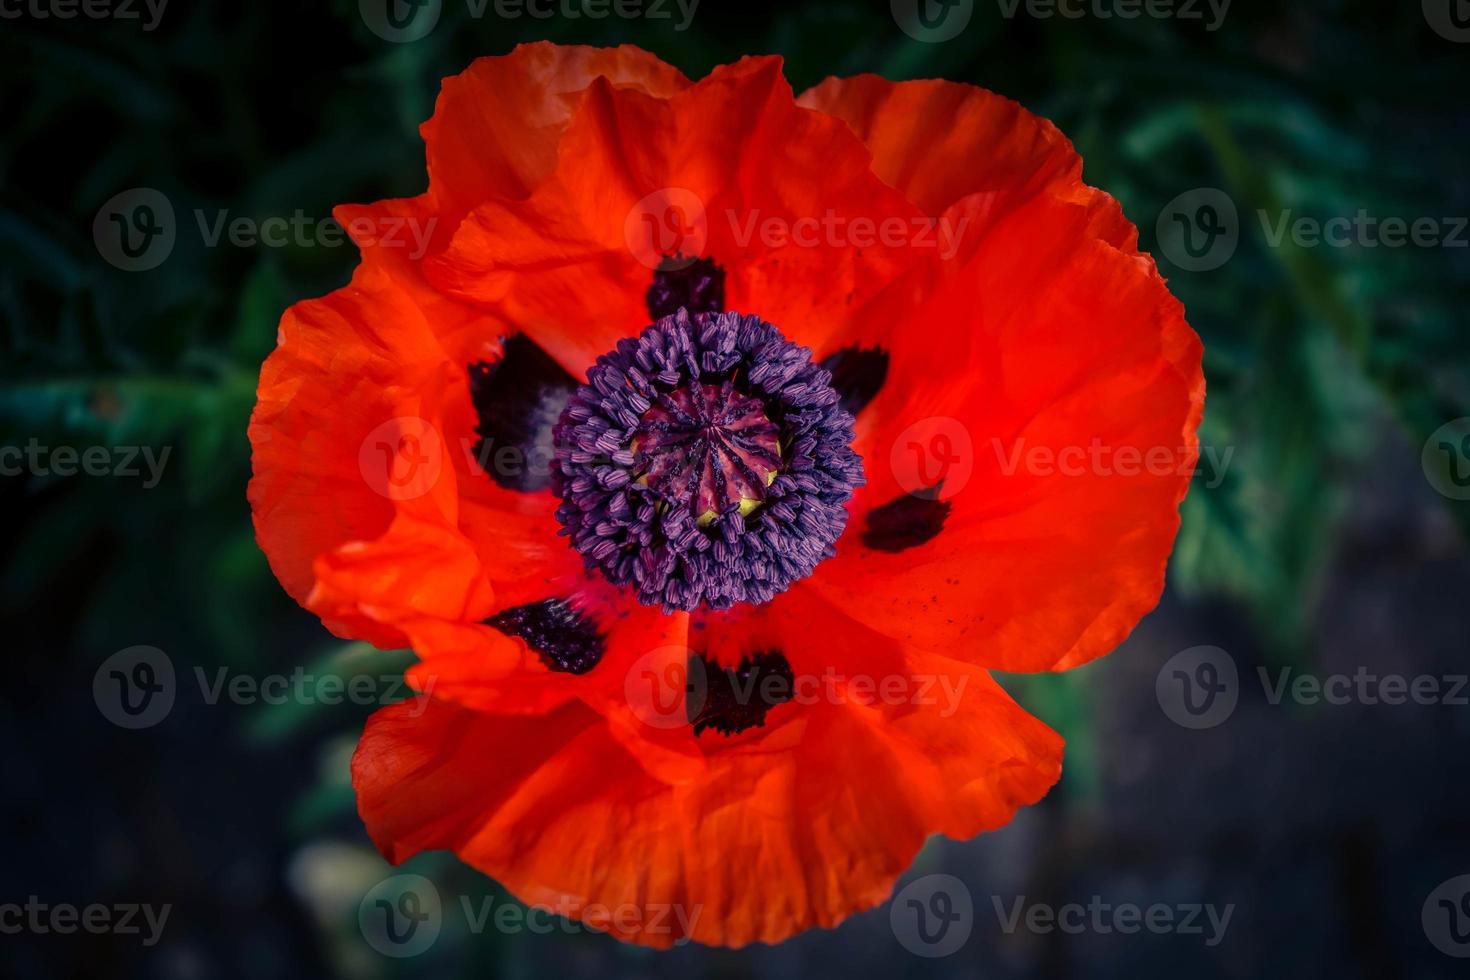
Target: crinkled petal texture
1051, 385
730, 167
811, 820
1026, 449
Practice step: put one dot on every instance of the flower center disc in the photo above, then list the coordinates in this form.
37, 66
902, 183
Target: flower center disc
706, 462
710, 446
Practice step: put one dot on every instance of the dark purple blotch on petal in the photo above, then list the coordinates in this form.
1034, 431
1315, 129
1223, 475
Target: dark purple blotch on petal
518, 400
857, 374
564, 638
906, 522
731, 700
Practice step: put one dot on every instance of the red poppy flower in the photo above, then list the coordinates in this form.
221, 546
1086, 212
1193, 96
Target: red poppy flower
709, 446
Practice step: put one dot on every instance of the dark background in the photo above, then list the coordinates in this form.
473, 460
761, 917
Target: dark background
1323, 547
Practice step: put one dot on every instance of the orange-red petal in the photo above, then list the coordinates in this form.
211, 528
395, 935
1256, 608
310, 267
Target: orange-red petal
730, 158
497, 124
755, 848
1047, 341
963, 152
348, 369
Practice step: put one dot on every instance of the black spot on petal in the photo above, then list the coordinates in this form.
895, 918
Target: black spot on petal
564, 638
518, 399
735, 699
697, 286
857, 375
906, 522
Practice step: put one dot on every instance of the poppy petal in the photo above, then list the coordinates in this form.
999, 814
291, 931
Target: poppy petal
571, 821
348, 368
940, 142
355, 375
596, 755
495, 131
496, 125
416, 569
1052, 367
726, 158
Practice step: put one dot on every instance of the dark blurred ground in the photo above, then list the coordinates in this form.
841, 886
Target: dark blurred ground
1323, 548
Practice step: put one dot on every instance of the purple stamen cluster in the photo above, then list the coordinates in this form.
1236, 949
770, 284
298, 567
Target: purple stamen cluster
706, 462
